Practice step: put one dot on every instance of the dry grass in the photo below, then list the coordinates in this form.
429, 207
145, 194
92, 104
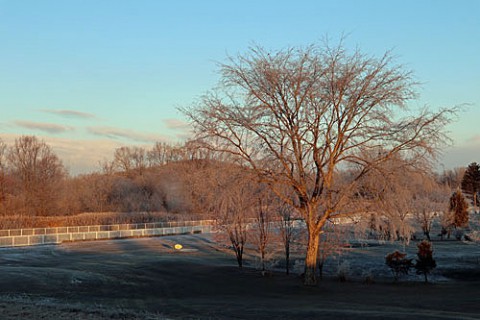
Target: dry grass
89, 218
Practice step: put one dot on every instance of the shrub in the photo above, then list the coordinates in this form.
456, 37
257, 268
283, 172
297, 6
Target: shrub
425, 262
398, 263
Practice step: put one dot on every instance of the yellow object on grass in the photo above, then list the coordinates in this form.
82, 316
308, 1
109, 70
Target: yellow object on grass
178, 246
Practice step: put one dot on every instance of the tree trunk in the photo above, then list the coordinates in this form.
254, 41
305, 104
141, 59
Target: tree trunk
311, 259
263, 260
475, 201
287, 258
320, 270
239, 261
426, 232
239, 254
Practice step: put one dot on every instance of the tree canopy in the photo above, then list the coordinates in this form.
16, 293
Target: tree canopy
299, 116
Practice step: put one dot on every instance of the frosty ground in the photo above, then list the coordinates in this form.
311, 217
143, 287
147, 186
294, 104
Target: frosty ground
146, 278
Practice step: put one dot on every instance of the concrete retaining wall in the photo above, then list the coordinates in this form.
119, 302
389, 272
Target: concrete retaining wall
39, 236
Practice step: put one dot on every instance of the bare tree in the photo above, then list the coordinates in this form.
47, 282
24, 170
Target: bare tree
39, 171
452, 177
234, 211
263, 223
401, 196
389, 194
130, 160
297, 116
94, 192
157, 156
429, 200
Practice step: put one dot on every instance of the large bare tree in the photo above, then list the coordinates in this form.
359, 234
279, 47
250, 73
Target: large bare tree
298, 115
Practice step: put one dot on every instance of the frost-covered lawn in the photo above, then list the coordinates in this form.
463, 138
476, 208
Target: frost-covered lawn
147, 279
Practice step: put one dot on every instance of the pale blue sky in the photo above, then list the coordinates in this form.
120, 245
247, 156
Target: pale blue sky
88, 76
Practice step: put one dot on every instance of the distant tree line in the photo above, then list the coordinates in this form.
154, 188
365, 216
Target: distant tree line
167, 177
185, 178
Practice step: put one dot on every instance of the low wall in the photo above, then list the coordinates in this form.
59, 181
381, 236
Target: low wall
39, 236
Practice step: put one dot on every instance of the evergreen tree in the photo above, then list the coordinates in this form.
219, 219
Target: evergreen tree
471, 182
425, 262
459, 209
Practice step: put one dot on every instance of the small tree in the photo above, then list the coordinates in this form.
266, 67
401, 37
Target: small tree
263, 219
233, 209
425, 262
429, 200
398, 263
459, 209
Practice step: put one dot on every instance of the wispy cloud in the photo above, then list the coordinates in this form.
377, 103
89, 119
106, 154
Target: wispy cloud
119, 133
70, 113
474, 139
83, 156
176, 124
182, 129
184, 135
463, 153
51, 128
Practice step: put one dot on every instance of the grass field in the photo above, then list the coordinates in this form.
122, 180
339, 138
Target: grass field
147, 279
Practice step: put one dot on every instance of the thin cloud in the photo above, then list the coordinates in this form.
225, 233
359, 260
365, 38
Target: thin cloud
184, 136
182, 129
51, 128
70, 113
461, 154
119, 133
176, 124
474, 139
83, 156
